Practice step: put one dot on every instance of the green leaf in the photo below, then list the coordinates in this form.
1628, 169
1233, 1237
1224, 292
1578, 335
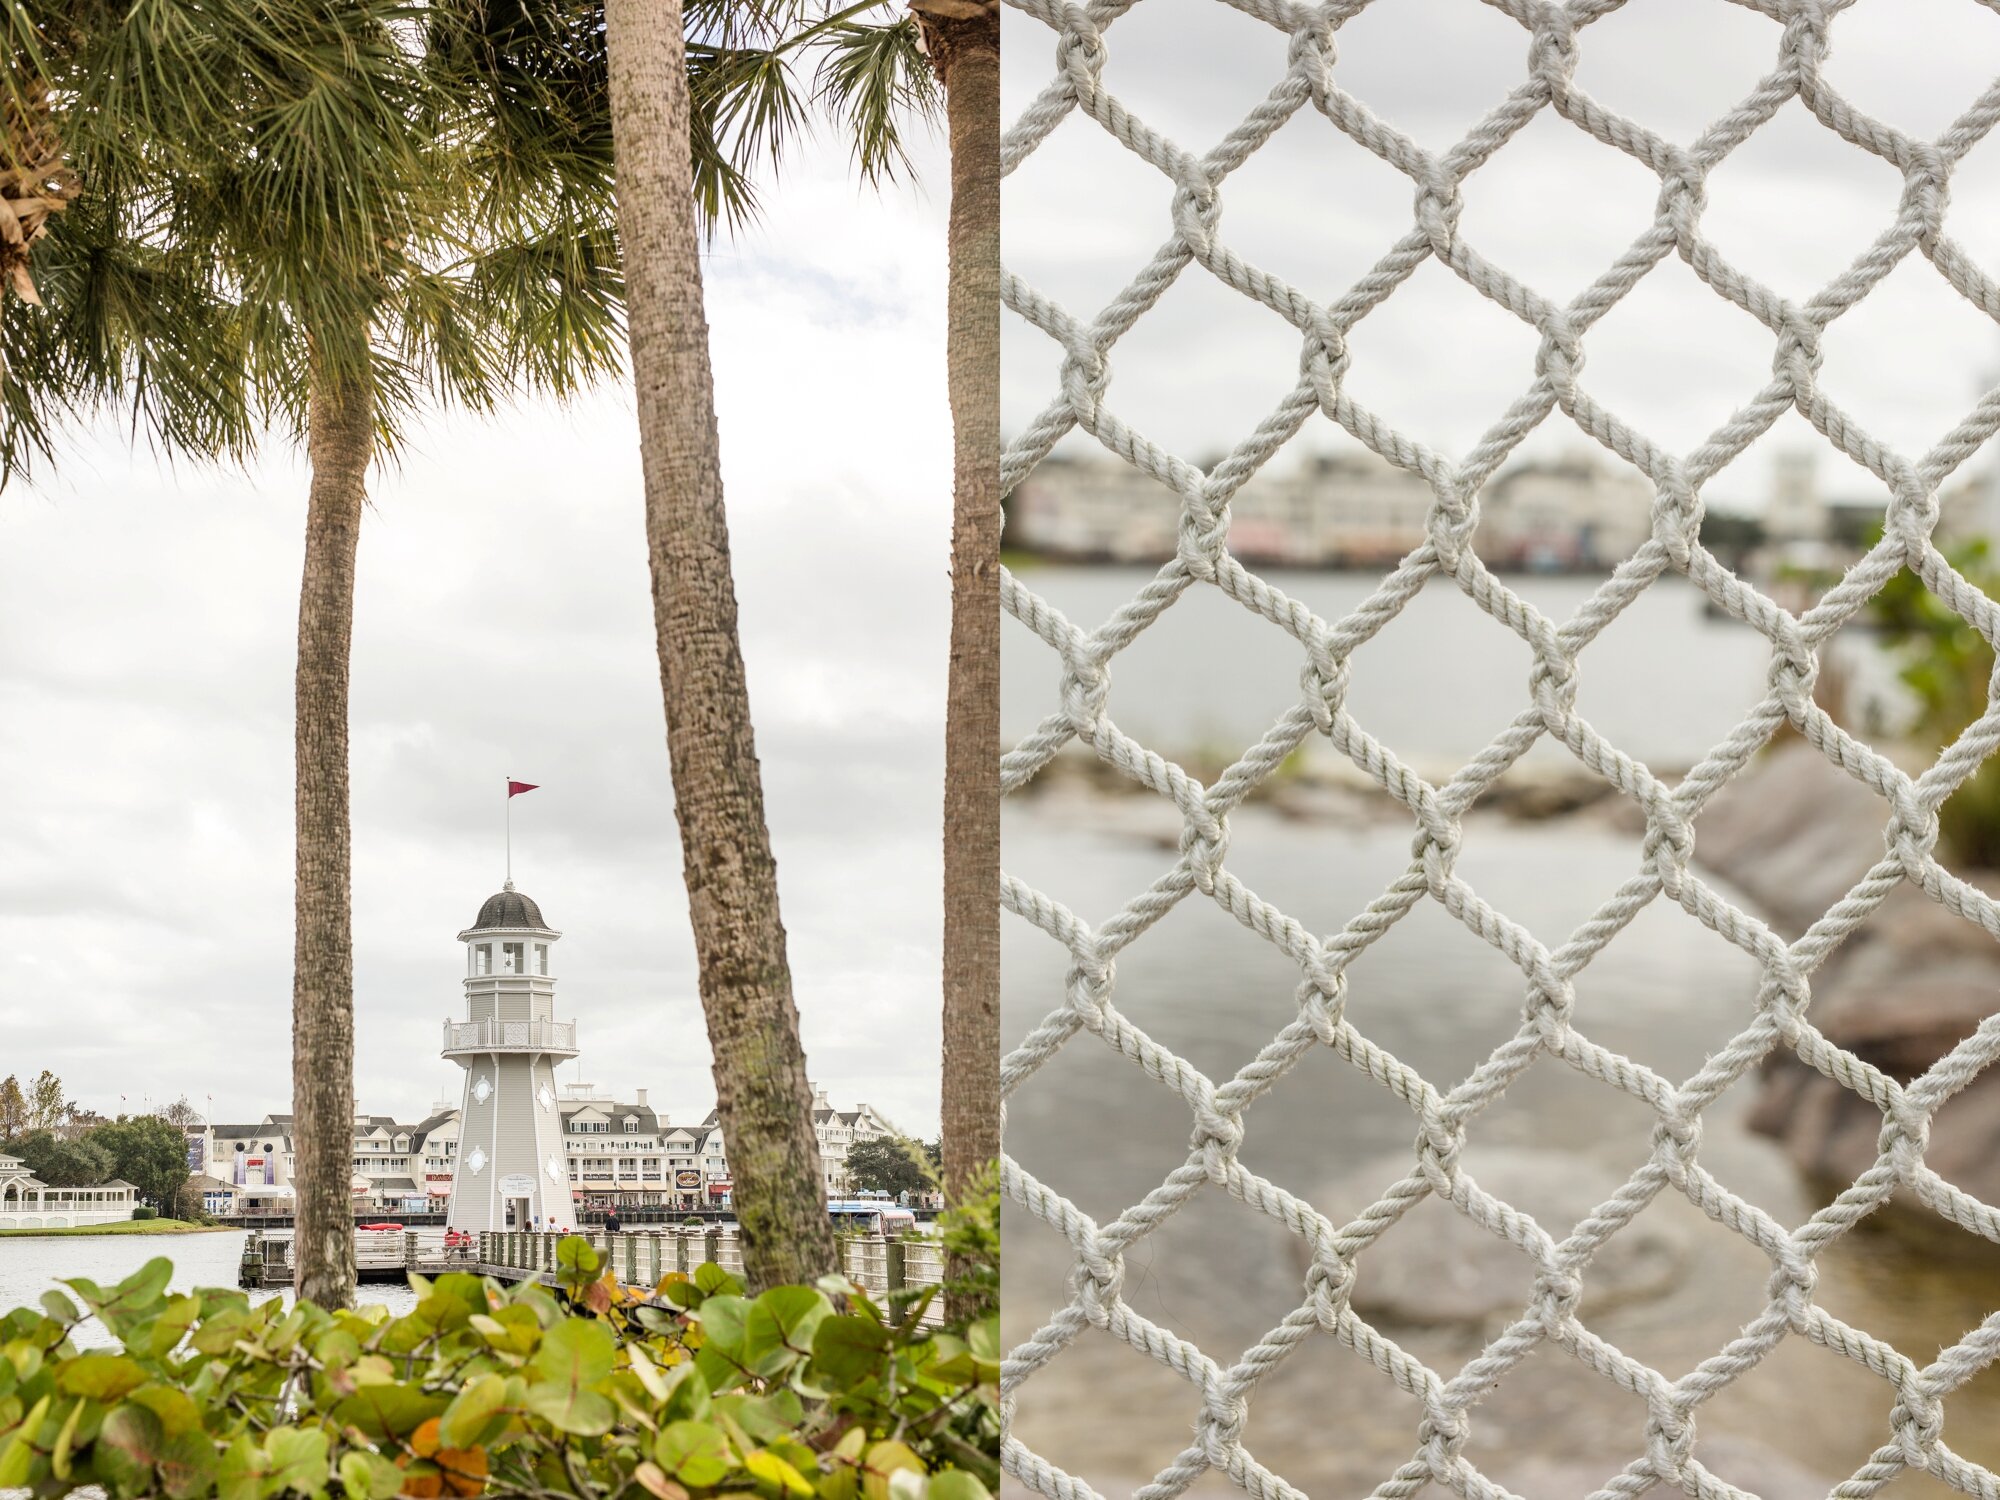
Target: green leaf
103, 1377
466, 1418
714, 1281
983, 1338
61, 1308
171, 1407
241, 1473
156, 1338
128, 1445
956, 1484
724, 1319
696, 1453
883, 1460
579, 1351
17, 1454
66, 1441
575, 1356
585, 1413
187, 1465
388, 1411
369, 1476
297, 1460
848, 1349
782, 1321
767, 1466
577, 1261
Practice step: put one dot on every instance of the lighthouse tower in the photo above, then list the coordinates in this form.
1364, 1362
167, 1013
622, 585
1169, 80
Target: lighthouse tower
511, 1166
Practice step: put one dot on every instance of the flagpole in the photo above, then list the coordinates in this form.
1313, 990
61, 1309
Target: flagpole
510, 830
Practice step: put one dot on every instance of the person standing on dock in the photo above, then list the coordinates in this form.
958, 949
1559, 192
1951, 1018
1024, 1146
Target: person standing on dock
611, 1221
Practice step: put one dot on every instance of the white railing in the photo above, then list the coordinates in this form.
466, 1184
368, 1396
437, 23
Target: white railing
882, 1264
510, 1036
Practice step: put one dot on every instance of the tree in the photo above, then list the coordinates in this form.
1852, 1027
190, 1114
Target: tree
46, 1103
352, 213
888, 1164
150, 1154
13, 1110
179, 1113
61, 1163
963, 39
762, 1095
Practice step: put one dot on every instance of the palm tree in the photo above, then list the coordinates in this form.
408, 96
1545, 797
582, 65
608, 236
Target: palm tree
323, 219
963, 40
679, 84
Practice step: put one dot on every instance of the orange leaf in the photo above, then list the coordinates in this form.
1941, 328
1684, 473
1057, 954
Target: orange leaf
464, 1470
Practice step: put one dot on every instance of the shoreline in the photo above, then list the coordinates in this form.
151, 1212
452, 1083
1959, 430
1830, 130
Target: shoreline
119, 1226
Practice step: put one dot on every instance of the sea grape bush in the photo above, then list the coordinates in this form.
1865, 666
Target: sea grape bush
594, 1389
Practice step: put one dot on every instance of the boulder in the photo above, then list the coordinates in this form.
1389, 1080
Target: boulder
1437, 1266
1792, 835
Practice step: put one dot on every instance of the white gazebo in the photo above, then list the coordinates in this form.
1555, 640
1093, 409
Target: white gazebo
26, 1202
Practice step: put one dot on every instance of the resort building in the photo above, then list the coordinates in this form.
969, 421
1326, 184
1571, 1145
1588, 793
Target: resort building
835, 1129
1350, 508
26, 1202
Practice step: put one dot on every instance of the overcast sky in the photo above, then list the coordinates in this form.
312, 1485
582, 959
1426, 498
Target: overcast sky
1793, 206
504, 627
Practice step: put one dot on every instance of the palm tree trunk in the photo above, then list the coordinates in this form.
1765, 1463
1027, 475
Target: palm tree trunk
762, 1095
340, 442
963, 38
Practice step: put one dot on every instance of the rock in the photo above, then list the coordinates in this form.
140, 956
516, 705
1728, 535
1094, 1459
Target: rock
1743, 1462
1793, 832
1438, 1267
1793, 835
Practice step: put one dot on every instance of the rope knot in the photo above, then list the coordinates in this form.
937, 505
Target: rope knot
1552, 48
1204, 843
1560, 356
1927, 187
1085, 689
1916, 1421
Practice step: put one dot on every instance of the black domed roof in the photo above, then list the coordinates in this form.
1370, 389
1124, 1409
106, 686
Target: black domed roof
509, 908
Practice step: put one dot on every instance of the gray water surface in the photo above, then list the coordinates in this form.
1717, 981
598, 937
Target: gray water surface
31, 1265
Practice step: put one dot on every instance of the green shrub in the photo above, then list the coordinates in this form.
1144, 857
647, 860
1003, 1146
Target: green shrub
145, 1212
1948, 667
596, 1389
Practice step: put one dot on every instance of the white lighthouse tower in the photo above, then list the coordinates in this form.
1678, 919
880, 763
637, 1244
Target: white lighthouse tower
511, 1166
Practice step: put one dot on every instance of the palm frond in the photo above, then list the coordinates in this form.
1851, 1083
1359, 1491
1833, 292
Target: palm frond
873, 78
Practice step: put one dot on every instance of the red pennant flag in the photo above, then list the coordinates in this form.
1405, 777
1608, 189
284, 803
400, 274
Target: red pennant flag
515, 788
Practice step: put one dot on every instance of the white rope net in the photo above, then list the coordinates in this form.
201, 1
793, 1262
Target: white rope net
1196, 244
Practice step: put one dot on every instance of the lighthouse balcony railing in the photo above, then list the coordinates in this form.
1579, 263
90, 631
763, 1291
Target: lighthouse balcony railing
509, 1036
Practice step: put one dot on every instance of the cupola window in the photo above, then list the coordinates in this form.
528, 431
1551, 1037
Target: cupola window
511, 961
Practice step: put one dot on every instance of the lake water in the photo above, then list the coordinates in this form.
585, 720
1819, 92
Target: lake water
1664, 681
31, 1265
1665, 991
